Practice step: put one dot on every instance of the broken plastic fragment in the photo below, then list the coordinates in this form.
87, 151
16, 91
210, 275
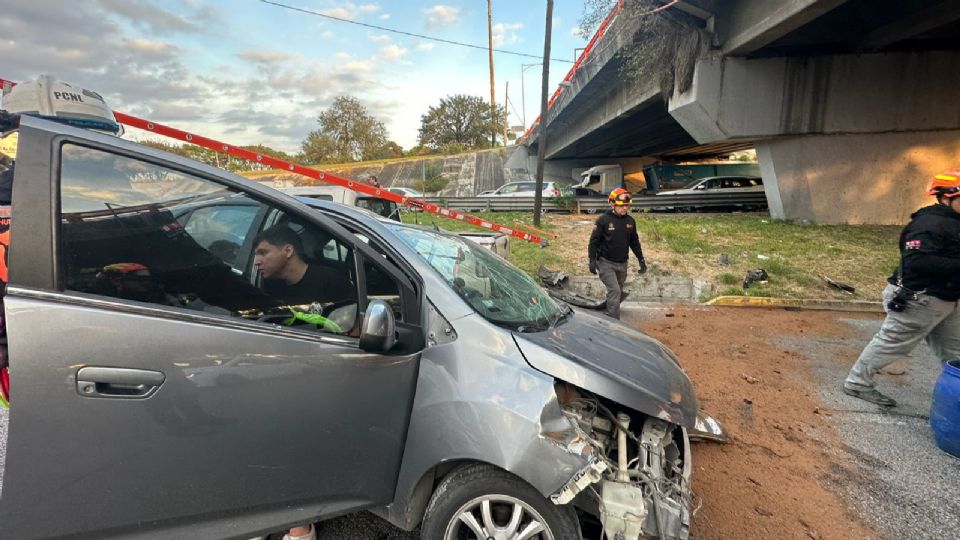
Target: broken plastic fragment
590, 474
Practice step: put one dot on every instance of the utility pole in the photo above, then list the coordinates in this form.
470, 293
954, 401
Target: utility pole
542, 142
493, 95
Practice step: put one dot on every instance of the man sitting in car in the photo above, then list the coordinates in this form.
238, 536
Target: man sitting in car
288, 276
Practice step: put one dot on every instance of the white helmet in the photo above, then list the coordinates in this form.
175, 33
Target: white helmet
49, 98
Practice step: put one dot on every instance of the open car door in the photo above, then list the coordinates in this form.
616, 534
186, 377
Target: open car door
154, 395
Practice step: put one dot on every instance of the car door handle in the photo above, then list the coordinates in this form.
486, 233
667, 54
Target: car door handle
121, 383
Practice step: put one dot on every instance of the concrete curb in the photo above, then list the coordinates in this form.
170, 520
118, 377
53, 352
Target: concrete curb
804, 304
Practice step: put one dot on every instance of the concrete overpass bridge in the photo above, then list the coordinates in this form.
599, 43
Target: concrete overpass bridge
851, 105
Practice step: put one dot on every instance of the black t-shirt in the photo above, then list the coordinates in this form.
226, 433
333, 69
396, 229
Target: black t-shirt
318, 284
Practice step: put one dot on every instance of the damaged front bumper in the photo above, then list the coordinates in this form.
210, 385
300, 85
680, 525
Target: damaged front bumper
637, 479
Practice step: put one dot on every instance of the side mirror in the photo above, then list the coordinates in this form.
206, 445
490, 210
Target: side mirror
379, 330
482, 271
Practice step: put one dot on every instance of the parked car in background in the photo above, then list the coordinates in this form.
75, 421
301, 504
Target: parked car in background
720, 184
145, 364
580, 192
522, 189
342, 195
405, 192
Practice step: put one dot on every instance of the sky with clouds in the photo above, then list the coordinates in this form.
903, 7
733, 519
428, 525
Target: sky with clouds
252, 73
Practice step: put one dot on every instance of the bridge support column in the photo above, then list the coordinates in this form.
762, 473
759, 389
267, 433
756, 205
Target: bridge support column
875, 178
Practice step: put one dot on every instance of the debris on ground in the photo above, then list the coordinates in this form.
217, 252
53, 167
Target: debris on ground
762, 257
723, 259
758, 275
557, 285
749, 379
840, 286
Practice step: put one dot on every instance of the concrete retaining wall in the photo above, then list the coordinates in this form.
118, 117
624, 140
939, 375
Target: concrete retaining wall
645, 288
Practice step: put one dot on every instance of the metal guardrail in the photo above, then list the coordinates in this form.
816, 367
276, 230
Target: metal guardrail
592, 205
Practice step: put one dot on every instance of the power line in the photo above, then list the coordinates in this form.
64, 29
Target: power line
401, 32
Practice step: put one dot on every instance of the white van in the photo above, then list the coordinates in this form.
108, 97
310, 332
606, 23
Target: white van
342, 195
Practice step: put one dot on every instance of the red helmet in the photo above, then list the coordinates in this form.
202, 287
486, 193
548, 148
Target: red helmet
620, 197
945, 184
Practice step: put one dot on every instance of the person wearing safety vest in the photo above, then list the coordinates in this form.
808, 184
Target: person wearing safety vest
614, 236
921, 299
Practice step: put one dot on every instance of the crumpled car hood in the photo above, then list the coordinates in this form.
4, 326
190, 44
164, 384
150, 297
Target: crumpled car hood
615, 361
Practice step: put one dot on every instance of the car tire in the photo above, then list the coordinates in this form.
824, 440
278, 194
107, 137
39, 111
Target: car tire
468, 489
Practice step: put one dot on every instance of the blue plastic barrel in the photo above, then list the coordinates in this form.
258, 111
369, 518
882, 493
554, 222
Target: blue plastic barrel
945, 410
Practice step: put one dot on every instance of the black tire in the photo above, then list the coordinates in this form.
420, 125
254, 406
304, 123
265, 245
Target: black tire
471, 482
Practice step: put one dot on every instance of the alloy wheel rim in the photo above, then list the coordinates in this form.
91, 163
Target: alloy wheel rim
497, 517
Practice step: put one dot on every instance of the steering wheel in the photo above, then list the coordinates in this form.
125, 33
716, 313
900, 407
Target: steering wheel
467, 292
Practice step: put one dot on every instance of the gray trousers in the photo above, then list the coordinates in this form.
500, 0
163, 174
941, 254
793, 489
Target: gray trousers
613, 275
935, 320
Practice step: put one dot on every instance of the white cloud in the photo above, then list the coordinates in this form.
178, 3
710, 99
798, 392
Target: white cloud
266, 57
425, 46
359, 66
326, 34
351, 11
442, 15
378, 38
342, 56
384, 16
393, 52
339, 12
575, 32
506, 33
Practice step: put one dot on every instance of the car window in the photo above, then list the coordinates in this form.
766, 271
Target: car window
320, 197
713, 184
138, 231
498, 291
508, 188
527, 186
383, 207
221, 229
328, 286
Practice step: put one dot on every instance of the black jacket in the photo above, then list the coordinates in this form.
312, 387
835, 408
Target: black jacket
612, 236
930, 250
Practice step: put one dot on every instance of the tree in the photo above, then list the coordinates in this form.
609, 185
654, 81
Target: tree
432, 179
347, 133
665, 44
318, 148
216, 159
461, 121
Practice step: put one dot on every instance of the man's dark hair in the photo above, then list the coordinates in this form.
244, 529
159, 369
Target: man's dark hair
281, 235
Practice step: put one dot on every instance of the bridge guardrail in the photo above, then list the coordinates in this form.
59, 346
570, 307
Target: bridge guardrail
596, 204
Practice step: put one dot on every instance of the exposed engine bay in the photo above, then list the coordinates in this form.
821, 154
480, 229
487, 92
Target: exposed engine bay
637, 480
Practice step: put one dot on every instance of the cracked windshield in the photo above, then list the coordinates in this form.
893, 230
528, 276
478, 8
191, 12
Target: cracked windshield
499, 292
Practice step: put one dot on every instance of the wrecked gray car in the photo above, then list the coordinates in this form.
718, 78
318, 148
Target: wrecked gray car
158, 391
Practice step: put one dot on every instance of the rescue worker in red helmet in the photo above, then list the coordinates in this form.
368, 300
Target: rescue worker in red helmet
614, 235
921, 299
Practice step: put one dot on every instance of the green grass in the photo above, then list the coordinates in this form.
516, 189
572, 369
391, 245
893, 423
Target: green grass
797, 255
525, 255
728, 279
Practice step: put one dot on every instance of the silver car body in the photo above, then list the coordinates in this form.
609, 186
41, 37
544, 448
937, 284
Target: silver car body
521, 189
225, 448
720, 184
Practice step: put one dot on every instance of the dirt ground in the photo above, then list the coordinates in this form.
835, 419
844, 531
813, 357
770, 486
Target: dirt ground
773, 480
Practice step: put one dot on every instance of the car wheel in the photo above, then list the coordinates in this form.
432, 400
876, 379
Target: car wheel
480, 502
